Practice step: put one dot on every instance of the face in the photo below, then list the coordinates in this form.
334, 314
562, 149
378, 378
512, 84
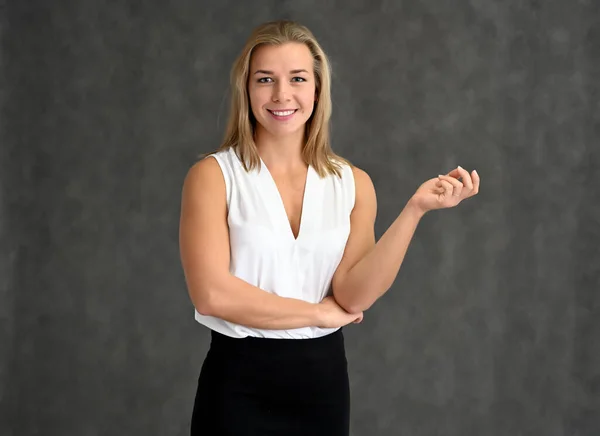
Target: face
281, 87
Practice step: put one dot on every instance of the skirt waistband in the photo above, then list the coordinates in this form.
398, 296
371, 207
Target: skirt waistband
322, 345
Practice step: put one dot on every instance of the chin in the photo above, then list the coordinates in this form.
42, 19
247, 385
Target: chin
283, 130
286, 132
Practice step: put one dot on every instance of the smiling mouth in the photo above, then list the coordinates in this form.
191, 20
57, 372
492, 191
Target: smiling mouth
283, 113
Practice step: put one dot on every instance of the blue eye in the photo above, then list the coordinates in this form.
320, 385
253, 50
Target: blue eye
269, 80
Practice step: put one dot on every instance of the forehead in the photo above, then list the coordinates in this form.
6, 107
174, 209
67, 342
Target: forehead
282, 58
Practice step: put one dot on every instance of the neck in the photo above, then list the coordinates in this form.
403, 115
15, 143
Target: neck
280, 153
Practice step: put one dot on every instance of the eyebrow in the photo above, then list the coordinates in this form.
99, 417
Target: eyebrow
271, 72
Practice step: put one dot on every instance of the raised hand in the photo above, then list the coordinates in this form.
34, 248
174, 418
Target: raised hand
447, 190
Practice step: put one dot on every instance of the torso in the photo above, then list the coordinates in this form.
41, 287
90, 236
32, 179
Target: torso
287, 235
291, 189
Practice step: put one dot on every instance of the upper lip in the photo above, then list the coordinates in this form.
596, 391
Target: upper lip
281, 110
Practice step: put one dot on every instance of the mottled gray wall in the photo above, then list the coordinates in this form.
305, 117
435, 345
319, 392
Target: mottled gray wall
492, 327
7, 314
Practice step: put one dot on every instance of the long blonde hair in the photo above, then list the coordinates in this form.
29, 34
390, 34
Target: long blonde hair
239, 133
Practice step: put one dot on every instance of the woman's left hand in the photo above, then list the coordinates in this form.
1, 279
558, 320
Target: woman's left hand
447, 190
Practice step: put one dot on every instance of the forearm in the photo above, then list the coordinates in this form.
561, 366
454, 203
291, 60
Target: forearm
375, 273
237, 301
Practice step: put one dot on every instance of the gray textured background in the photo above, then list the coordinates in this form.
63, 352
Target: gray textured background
493, 325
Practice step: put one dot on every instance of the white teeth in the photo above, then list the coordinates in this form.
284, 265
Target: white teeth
283, 113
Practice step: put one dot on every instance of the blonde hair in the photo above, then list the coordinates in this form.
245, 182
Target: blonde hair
239, 133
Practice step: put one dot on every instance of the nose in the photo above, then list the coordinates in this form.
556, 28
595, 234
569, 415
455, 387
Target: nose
281, 92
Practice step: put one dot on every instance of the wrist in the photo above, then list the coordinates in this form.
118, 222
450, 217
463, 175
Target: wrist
412, 208
317, 314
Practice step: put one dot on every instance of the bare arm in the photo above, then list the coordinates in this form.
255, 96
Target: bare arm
368, 269
204, 250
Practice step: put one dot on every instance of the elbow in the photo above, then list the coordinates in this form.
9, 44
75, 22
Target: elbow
357, 307
202, 306
354, 309
209, 295
203, 309
350, 303
203, 300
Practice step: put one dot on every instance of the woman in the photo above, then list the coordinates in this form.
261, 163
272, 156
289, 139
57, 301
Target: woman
278, 247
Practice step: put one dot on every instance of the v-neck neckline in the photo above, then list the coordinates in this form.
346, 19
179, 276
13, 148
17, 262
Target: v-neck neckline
280, 212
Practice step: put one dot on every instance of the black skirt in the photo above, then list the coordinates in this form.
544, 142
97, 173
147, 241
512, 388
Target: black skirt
283, 387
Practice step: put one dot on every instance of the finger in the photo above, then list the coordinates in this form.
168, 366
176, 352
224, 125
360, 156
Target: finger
456, 172
466, 179
457, 185
461, 174
476, 182
447, 187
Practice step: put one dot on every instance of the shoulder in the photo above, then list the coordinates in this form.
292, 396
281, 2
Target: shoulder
357, 183
216, 166
206, 168
204, 178
359, 176
364, 189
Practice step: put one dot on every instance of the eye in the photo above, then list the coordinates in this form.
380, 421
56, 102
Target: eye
300, 79
264, 80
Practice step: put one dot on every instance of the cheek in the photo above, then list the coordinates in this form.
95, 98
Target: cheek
308, 99
309, 104
257, 98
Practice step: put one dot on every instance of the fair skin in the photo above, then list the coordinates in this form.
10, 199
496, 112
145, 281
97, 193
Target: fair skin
282, 78
275, 83
368, 269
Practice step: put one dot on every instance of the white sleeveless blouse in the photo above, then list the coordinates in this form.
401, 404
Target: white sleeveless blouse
264, 251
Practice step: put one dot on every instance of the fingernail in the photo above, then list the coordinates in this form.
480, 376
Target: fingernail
475, 171
460, 168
